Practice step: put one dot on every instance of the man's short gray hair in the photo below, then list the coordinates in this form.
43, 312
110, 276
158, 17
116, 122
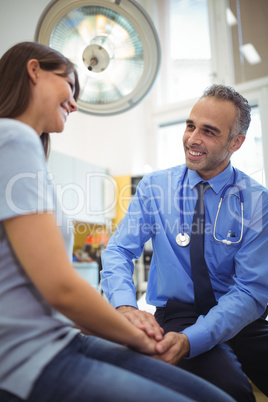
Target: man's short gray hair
243, 118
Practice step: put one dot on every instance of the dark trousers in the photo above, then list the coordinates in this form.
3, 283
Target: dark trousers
227, 365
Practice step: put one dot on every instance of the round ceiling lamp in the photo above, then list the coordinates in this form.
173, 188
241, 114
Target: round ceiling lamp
113, 45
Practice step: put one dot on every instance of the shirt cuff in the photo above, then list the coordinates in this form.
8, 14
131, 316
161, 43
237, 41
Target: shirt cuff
199, 339
123, 298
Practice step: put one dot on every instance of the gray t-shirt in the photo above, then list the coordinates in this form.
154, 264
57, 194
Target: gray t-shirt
31, 332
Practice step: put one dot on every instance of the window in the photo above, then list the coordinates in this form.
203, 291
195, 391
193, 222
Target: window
186, 54
249, 158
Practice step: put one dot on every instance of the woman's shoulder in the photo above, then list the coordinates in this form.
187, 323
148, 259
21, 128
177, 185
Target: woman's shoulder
13, 130
20, 146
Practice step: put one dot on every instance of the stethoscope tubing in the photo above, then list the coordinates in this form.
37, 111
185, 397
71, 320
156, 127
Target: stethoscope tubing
241, 198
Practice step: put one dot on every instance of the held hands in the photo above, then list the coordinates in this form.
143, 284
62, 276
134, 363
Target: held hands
142, 320
169, 348
173, 348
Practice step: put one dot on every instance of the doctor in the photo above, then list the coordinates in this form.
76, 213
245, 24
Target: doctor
229, 342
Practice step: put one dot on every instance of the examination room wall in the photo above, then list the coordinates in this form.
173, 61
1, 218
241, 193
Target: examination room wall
114, 142
125, 143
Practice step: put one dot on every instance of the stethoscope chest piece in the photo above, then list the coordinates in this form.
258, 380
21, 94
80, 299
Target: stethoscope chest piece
183, 239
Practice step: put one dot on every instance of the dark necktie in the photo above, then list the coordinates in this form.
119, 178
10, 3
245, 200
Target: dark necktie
203, 292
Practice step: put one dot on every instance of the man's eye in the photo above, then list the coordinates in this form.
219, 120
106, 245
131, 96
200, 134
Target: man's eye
209, 132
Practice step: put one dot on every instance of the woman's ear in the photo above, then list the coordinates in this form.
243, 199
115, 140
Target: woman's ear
33, 68
236, 142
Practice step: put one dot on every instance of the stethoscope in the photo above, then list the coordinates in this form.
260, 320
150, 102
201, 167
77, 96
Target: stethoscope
183, 239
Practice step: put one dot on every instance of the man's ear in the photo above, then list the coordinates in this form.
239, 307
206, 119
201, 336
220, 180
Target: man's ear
33, 68
236, 142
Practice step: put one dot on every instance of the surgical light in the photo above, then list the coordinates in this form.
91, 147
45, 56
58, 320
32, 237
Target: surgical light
114, 46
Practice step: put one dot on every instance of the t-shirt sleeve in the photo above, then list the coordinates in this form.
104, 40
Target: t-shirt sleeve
25, 185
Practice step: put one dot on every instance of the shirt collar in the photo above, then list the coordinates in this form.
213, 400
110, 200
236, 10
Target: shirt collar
217, 183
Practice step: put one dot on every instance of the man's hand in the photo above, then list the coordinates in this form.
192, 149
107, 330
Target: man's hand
170, 348
142, 320
173, 347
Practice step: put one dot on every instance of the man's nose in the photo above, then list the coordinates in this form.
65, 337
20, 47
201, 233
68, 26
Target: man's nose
195, 137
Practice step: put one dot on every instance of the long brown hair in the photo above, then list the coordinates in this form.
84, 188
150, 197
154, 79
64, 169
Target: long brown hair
15, 90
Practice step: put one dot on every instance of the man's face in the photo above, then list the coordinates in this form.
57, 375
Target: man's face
206, 140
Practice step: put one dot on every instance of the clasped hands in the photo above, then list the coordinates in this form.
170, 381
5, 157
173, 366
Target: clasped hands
170, 347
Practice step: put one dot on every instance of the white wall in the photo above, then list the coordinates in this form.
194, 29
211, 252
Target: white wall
119, 142
18, 19
116, 142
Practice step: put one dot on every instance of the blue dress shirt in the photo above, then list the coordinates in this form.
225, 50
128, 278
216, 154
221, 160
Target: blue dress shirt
238, 272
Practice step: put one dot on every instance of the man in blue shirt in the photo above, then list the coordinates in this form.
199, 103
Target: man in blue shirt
213, 345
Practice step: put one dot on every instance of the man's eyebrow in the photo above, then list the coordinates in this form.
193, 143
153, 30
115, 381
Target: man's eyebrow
212, 128
208, 126
189, 121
